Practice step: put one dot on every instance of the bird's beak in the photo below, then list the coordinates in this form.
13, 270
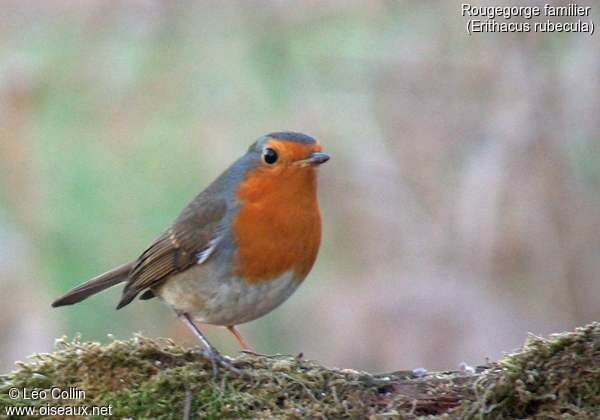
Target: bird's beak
315, 159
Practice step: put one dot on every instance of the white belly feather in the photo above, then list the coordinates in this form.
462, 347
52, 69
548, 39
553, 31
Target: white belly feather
231, 301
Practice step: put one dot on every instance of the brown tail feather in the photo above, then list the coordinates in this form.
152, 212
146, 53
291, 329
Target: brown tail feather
95, 285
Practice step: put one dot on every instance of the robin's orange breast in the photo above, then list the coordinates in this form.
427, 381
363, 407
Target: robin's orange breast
278, 227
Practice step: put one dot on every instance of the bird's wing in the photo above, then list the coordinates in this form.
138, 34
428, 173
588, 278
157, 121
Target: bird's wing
191, 240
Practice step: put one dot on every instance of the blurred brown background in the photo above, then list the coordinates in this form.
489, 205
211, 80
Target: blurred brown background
461, 205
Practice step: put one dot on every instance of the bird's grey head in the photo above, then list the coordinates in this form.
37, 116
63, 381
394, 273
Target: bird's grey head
277, 150
259, 145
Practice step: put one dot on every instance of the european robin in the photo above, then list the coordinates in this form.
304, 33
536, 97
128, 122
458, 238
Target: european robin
237, 250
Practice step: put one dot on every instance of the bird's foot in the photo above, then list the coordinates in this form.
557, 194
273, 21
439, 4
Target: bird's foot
218, 361
253, 353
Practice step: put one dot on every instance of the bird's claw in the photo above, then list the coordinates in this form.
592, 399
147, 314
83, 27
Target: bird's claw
217, 361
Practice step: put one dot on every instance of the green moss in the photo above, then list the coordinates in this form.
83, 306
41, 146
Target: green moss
155, 378
548, 378
146, 378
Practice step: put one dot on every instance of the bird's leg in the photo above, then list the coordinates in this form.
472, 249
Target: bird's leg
243, 343
209, 352
245, 346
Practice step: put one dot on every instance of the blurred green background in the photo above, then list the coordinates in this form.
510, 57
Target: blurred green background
461, 205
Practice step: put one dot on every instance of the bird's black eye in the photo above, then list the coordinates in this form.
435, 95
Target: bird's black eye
270, 156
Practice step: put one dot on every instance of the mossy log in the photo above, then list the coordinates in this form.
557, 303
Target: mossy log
556, 377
